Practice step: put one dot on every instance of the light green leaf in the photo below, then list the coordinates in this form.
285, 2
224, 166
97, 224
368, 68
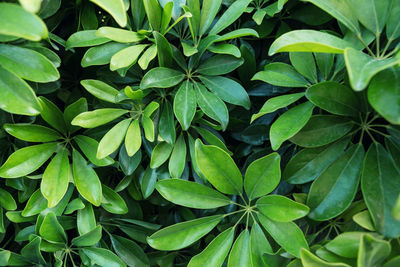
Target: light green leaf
88, 239
101, 90
304, 63
27, 160
17, 96
52, 115
92, 119
308, 41
52, 230
147, 56
85, 39
275, 103
240, 254
226, 49
364, 219
392, 25
321, 130
177, 161
119, 35
185, 104
6, 200
55, 178
384, 94
85, 219
86, 180
262, 176
27, 64
227, 89
112, 202
161, 77
373, 251
345, 244
101, 55
334, 98
115, 8
289, 123
154, 13
281, 74
219, 168
133, 138
35, 205
209, 10
16, 21
287, 234
160, 154
237, 34
281, 209
215, 253
183, 234
362, 68
191, 194
89, 147
310, 260
372, 13
112, 139
31, 132
126, 57
148, 127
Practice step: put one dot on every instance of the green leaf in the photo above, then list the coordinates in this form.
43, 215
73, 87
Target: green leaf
133, 138
364, 220
308, 164
115, 8
211, 139
147, 56
212, 105
161, 77
373, 251
74, 205
119, 35
7, 201
148, 127
287, 234
209, 10
103, 257
112, 139
362, 68
380, 184
74, 110
334, 190
229, 16
227, 89
183, 234
85, 219
384, 95
219, 168
345, 244
89, 147
27, 64
289, 123
27, 160
52, 114
55, 178
191, 194
86, 180
92, 119
321, 130
185, 104
219, 65
17, 96
112, 201
148, 181
392, 25
237, 34
88, 239
31, 132
160, 154
176, 164
262, 176
154, 13
85, 39
166, 126
240, 254
275, 103
52, 230
281, 209
259, 245
4, 257
334, 98
101, 90
341, 10
32, 251
101, 55
164, 50
126, 57
281, 74
226, 49
35, 205
129, 251
308, 41
215, 253
166, 16
304, 64
310, 260
17, 22
372, 13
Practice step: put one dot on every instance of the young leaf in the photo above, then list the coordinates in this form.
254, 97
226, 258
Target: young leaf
115, 8
27, 160
31, 132
112, 139
373, 251
133, 138
7, 201
101, 55
153, 11
119, 35
126, 57
85, 39
101, 90
210, 159
262, 176
92, 119
191, 194
289, 123
215, 253
183, 234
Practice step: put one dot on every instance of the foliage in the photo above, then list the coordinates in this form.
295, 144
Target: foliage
200, 133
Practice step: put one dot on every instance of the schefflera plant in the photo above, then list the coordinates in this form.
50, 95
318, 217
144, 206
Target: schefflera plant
63, 139
256, 211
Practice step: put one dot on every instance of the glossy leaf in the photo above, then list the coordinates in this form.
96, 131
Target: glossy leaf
103, 257
115, 8
119, 35
176, 164
112, 201
133, 138
31, 132
161, 78
240, 254
281, 209
130, 252
185, 104
112, 139
281, 74
219, 65
101, 90
97, 117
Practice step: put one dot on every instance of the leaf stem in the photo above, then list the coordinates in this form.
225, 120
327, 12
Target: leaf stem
239, 220
234, 212
365, 45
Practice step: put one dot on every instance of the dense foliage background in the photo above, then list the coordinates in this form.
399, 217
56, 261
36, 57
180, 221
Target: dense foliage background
200, 133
